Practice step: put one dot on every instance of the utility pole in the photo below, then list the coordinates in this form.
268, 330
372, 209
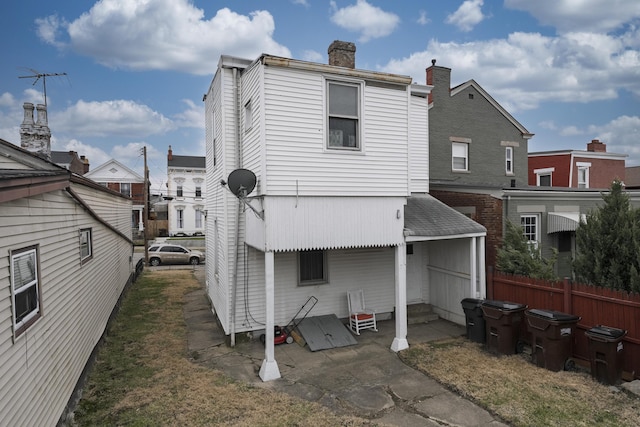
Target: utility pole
145, 212
37, 75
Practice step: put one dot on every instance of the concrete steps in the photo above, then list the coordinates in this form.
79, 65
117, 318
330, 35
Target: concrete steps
420, 313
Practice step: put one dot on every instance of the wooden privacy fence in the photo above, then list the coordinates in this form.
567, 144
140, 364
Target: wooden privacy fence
595, 305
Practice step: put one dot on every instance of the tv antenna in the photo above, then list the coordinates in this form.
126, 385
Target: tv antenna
37, 76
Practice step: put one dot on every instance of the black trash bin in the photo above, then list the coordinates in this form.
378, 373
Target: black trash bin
502, 325
474, 319
552, 335
606, 353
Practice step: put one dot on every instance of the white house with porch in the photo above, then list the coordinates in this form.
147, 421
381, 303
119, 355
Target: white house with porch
341, 203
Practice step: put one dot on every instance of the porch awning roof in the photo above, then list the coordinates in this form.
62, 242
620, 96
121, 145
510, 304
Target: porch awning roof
427, 218
563, 221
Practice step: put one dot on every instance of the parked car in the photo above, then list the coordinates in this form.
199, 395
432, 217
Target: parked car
173, 254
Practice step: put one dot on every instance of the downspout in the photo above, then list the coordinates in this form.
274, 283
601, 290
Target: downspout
571, 171
234, 280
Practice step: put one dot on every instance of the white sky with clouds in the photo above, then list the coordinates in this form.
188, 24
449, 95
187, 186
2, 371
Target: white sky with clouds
568, 70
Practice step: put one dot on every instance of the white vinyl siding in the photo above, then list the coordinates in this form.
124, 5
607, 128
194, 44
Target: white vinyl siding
419, 145
45, 363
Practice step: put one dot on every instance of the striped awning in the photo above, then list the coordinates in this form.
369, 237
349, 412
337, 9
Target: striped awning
563, 221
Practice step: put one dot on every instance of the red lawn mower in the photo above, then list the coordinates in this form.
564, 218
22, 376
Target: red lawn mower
283, 335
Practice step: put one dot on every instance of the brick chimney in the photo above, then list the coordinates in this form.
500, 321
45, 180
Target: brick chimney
596, 146
342, 54
170, 154
85, 164
440, 79
36, 137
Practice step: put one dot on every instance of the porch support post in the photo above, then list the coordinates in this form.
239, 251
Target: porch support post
400, 341
473, 268
482, 268
269, 369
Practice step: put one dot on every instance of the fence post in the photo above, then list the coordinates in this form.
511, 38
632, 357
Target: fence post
490, 282
567, 296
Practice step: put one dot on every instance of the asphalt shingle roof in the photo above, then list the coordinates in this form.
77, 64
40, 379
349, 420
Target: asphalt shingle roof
187, 161
428, 217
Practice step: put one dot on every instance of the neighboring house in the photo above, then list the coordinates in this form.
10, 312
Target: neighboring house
70, 160
65, 258
593, 168
119, 178
341, 159
186, 191
476, 149
551, 215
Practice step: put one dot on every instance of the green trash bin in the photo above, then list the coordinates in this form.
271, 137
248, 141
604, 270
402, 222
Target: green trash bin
552, 334
502, 325
474, 319
606, 353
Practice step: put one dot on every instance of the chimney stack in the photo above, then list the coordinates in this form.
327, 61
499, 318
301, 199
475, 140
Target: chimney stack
596, 146
36, 137
170, 154
85, 164
342, 54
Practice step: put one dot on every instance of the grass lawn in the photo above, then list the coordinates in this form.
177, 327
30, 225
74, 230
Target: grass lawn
519, 391
143, 375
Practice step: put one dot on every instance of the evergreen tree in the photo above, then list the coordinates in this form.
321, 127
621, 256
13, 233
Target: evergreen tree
608, 243
517, 256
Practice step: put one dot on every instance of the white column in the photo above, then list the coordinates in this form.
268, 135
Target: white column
473, 273
140, 219
400, 341
483, 269
269, 369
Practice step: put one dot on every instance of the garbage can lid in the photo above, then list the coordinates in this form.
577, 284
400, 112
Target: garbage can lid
504, 305
557, 316
471, 303
607, 331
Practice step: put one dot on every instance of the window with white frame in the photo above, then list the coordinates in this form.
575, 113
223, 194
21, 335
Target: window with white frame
198, 192
180, 218
530, 229
459, 156
508, 160
25, 288
544, 177
312, 267
86, 249
199, 215
583, 174
179, 191
343, 107
125, 189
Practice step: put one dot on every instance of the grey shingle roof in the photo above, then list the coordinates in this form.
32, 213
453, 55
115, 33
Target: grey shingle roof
187, 162
427, 216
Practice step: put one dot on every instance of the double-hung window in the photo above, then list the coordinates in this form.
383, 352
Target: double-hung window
25, 288
198, 192
459, 156
343, 105
125, 189
179, 191
508, 160
180, 219
530, 229
583, 174
199, 216
86, 251
312, 267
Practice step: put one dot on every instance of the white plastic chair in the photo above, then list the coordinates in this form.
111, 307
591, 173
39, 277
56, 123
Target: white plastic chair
359, 317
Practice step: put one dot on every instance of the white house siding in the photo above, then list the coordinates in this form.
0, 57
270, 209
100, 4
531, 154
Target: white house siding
252, 155
449, 277
419, 145
297, 162
296, 223
369, 269
39, 371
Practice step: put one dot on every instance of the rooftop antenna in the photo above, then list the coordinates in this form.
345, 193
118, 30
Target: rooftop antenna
37, 76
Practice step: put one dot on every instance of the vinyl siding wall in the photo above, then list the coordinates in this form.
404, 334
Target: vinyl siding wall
419, 145
41, 368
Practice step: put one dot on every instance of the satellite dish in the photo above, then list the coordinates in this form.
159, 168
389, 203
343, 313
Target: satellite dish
241, 182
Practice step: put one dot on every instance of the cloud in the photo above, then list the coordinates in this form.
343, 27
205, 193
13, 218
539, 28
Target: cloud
95, 155
304, 3
312, 56
163, 35
115, 118
621, 136
192, 117
7, 100
370, 21
468, 15
527, 69
579, 15
422, 18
